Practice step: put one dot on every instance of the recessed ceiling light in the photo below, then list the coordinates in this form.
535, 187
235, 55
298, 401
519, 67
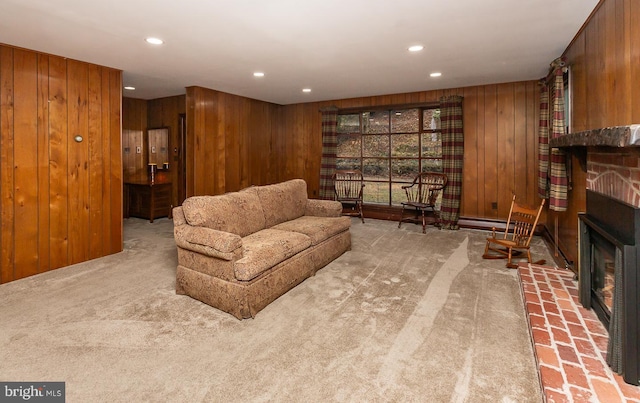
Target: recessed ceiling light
130, 88
258, 74
154, 41
436, 74
306, 90
416, 48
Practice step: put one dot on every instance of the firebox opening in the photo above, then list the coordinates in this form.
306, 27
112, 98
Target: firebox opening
602, 277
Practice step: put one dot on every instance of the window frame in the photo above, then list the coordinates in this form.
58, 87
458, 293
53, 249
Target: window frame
393, 182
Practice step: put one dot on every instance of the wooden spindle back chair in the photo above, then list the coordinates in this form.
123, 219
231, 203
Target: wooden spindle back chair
516, 239
348, 187
422, 195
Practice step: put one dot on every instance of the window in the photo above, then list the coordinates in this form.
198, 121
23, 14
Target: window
568, 100
390, 147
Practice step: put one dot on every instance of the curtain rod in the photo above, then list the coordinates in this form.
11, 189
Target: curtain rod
389, 107
559, 63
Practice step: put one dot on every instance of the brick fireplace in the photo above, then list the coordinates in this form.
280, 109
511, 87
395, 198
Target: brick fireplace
609, 245
615, 173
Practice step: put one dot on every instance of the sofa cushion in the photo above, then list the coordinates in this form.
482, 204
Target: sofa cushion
239, 212
316, 228
265, 249
283, 201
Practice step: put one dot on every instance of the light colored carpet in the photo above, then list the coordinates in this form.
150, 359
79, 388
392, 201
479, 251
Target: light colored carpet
403, 316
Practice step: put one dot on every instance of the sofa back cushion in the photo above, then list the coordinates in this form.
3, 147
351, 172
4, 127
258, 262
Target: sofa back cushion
239, 212
282, 201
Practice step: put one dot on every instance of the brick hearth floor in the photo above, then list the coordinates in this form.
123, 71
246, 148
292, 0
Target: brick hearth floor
569, 341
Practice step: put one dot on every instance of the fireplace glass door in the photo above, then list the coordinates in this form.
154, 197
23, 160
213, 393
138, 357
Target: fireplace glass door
602, 273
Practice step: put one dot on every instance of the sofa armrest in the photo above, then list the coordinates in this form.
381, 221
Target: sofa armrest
209, 242
323, 208
178, 216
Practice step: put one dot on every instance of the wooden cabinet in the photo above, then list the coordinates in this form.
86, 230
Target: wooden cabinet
145, 199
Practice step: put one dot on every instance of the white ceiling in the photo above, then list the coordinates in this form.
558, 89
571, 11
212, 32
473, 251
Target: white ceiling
339, 49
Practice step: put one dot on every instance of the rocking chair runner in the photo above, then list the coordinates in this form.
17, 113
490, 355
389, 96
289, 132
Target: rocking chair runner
422, 195
519, 230
348, 186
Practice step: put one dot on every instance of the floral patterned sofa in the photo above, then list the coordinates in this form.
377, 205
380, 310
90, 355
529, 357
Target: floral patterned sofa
240, 251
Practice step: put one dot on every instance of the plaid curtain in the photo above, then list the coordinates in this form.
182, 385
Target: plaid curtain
452, 158
553, 182
543, 142
558, 174
329, 146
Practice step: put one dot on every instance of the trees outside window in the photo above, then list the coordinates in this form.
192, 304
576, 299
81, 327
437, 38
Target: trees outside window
390, 147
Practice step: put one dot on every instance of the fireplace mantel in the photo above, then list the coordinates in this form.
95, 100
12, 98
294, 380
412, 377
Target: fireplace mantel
617, 136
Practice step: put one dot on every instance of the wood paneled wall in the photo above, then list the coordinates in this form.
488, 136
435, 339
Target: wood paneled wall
139, 115
500, 127
134, 127
60, 200
604, 58
165, 112
236, 142
229, 142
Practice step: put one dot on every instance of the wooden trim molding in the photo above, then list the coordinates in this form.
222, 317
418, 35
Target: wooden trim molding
343, 111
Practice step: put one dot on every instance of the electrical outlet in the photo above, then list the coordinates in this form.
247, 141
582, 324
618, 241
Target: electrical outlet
138, 151
494, 205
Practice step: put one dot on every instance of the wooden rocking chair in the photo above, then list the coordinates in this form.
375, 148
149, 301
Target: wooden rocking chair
517, 236
348, 185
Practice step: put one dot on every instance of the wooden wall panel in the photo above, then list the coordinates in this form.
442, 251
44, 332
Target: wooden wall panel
134, 127
58, 145
114, 113
213, 183
490, 152
53, 188
25, 163
632, 68
471, 163
134, 114
78, 157
260, 140
520, 149
133, 162
190, 140
605, 65
480, 123
230, 142
7, 232
223, 128
277, 147
96, 163
232, 138
165, 112
505, 157
112, 243
44, 242
243, 178
606, 53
